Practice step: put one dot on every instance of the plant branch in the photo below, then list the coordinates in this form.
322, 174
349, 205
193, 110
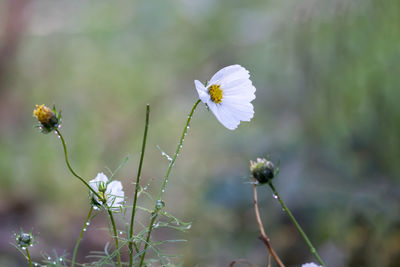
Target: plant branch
264, 236
293, 219
80, 236
69, 166
29, 257
171, 164
115, 237
137, 186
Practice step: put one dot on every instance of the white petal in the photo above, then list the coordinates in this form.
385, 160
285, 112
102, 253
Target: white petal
242, 85
228, 73
100, 178
115, 195
224, 116
245, 96
115, 189
238, 99
243, 112
202, 91
311, 264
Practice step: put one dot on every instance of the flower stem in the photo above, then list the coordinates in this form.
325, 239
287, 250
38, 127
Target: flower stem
69, 166
80, 236
29, 257
264, 236
138, 186
115, 237
164, 183
303, 234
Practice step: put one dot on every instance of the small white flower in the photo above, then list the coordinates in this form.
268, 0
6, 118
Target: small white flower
228, 95
110, 193
311, 264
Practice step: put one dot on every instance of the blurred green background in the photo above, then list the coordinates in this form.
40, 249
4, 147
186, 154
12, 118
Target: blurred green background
326, 74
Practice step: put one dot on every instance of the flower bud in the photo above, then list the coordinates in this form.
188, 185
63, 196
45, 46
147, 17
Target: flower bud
48, 119
24, 240
262, 170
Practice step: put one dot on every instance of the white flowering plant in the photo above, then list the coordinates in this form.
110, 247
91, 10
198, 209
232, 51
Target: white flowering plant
228, 95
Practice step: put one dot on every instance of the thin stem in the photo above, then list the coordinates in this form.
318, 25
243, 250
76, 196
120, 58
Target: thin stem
264, 236
115, 237
178, 149
69, 166
303, 234
269, 260
164, 183
80, 236
29, 257
138, 186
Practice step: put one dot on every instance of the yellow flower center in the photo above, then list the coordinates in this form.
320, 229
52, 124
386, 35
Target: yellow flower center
103, 196
102, 192
43, 114
216, 93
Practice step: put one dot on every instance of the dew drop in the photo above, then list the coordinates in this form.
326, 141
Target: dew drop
35, 264
23, 248
163, 190
88, 223
61, 259
275, 196
120, 232
160, 204
49, 258
54, 262
189, 226
84, 229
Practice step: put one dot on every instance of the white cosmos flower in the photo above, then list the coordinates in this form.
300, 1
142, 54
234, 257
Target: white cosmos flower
311, 264
228, 95
110, 193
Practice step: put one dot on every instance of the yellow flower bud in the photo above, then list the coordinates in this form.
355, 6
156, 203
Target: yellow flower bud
47, 118
43, 114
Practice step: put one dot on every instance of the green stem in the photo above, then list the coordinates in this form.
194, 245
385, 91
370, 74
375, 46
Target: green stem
138, 186
115, 237
80, 236
29, 257
303, 234
70, 168
164, 183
